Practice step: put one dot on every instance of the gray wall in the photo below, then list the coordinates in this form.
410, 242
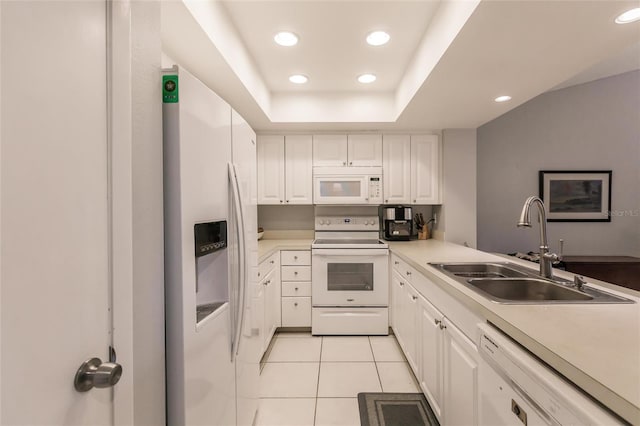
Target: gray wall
592, 126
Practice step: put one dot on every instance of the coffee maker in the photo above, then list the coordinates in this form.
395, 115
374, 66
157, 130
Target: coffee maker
397, 223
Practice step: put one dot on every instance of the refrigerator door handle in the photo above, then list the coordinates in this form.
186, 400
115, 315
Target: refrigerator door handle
239, 220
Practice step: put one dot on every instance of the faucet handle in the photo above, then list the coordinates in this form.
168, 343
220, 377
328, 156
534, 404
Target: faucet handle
579, 281
561, 249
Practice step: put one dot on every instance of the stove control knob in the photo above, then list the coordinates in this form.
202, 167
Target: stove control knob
328, 222
322, 222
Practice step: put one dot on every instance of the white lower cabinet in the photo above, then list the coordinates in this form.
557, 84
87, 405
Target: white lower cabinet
269, 292
443, 358
461, 359
431, 350
296, 288
405, 318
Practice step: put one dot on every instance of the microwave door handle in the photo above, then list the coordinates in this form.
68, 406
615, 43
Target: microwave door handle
240, 285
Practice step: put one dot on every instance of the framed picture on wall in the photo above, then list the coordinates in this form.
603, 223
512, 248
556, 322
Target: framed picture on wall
576, 196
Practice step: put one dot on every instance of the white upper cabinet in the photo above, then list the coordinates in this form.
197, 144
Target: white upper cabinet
330, 150
425, 169
285, 169
411, 169
396, 169
271, 169
365, 150
298, 169
347, 150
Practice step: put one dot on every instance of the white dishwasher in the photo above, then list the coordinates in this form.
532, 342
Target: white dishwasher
516, 388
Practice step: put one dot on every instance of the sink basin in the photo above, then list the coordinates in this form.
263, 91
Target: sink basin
526, 289
481, 270
514, 284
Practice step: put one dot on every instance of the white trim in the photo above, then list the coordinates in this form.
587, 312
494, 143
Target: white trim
0, 215
121, 183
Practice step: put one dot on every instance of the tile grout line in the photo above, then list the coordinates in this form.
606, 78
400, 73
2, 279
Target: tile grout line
375, 363
315, 407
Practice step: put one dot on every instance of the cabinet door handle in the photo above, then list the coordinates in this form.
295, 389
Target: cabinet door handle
386, 201
344, 163
287, 201
437, 321
414, 297
295, 257
408, 273
295, 304
442, 326
415, 201
395, 262
273, 261
351, 163
295, 272
280, 201
401, 284
296, 288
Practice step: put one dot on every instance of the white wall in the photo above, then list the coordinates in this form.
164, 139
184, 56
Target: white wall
592, 126
458, 212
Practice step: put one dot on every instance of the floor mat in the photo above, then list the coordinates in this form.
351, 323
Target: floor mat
395, 409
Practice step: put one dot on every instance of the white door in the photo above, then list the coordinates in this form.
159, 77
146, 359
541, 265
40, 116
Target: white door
55, 231
396, 169
271, 169
329, 150
365, 150
298, 169
425, 169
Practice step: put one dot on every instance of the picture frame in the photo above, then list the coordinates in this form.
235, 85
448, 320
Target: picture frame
576, 195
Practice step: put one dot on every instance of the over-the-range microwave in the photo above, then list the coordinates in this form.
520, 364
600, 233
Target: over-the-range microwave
347, 185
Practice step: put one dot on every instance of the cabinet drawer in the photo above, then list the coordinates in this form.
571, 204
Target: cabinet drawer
296, 312
402, 268
295, 288
296, 273
296, 257
267, 265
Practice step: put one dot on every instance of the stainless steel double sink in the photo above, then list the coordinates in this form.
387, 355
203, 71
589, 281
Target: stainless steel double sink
511, 284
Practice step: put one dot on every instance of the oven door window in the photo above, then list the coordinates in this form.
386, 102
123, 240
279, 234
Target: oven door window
350, 276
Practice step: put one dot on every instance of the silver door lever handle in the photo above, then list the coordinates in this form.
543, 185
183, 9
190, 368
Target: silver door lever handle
95, 373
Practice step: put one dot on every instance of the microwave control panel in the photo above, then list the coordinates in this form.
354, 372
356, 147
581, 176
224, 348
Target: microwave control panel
375, 190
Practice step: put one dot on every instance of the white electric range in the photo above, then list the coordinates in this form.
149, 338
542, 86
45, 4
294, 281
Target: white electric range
350, 277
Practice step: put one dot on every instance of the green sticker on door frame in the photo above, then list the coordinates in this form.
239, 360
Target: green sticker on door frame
170, 89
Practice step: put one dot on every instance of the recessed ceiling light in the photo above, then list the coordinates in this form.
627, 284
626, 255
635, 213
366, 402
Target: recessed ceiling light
367, 78
378, 38
629, 16
286, 38
298, 79
503, 98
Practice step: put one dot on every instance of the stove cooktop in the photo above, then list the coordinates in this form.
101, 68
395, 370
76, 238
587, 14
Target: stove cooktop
348, 243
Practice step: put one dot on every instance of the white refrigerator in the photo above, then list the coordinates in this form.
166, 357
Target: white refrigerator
212, 338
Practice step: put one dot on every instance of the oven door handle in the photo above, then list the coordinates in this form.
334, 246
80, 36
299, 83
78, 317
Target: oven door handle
350, 252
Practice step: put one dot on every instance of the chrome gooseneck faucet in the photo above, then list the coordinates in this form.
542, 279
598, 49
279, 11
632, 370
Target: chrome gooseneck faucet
546, 258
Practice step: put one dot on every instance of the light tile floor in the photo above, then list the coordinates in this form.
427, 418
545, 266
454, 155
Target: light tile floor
312, 380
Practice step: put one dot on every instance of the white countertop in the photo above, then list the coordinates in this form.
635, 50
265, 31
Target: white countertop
267, 247
595, 346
